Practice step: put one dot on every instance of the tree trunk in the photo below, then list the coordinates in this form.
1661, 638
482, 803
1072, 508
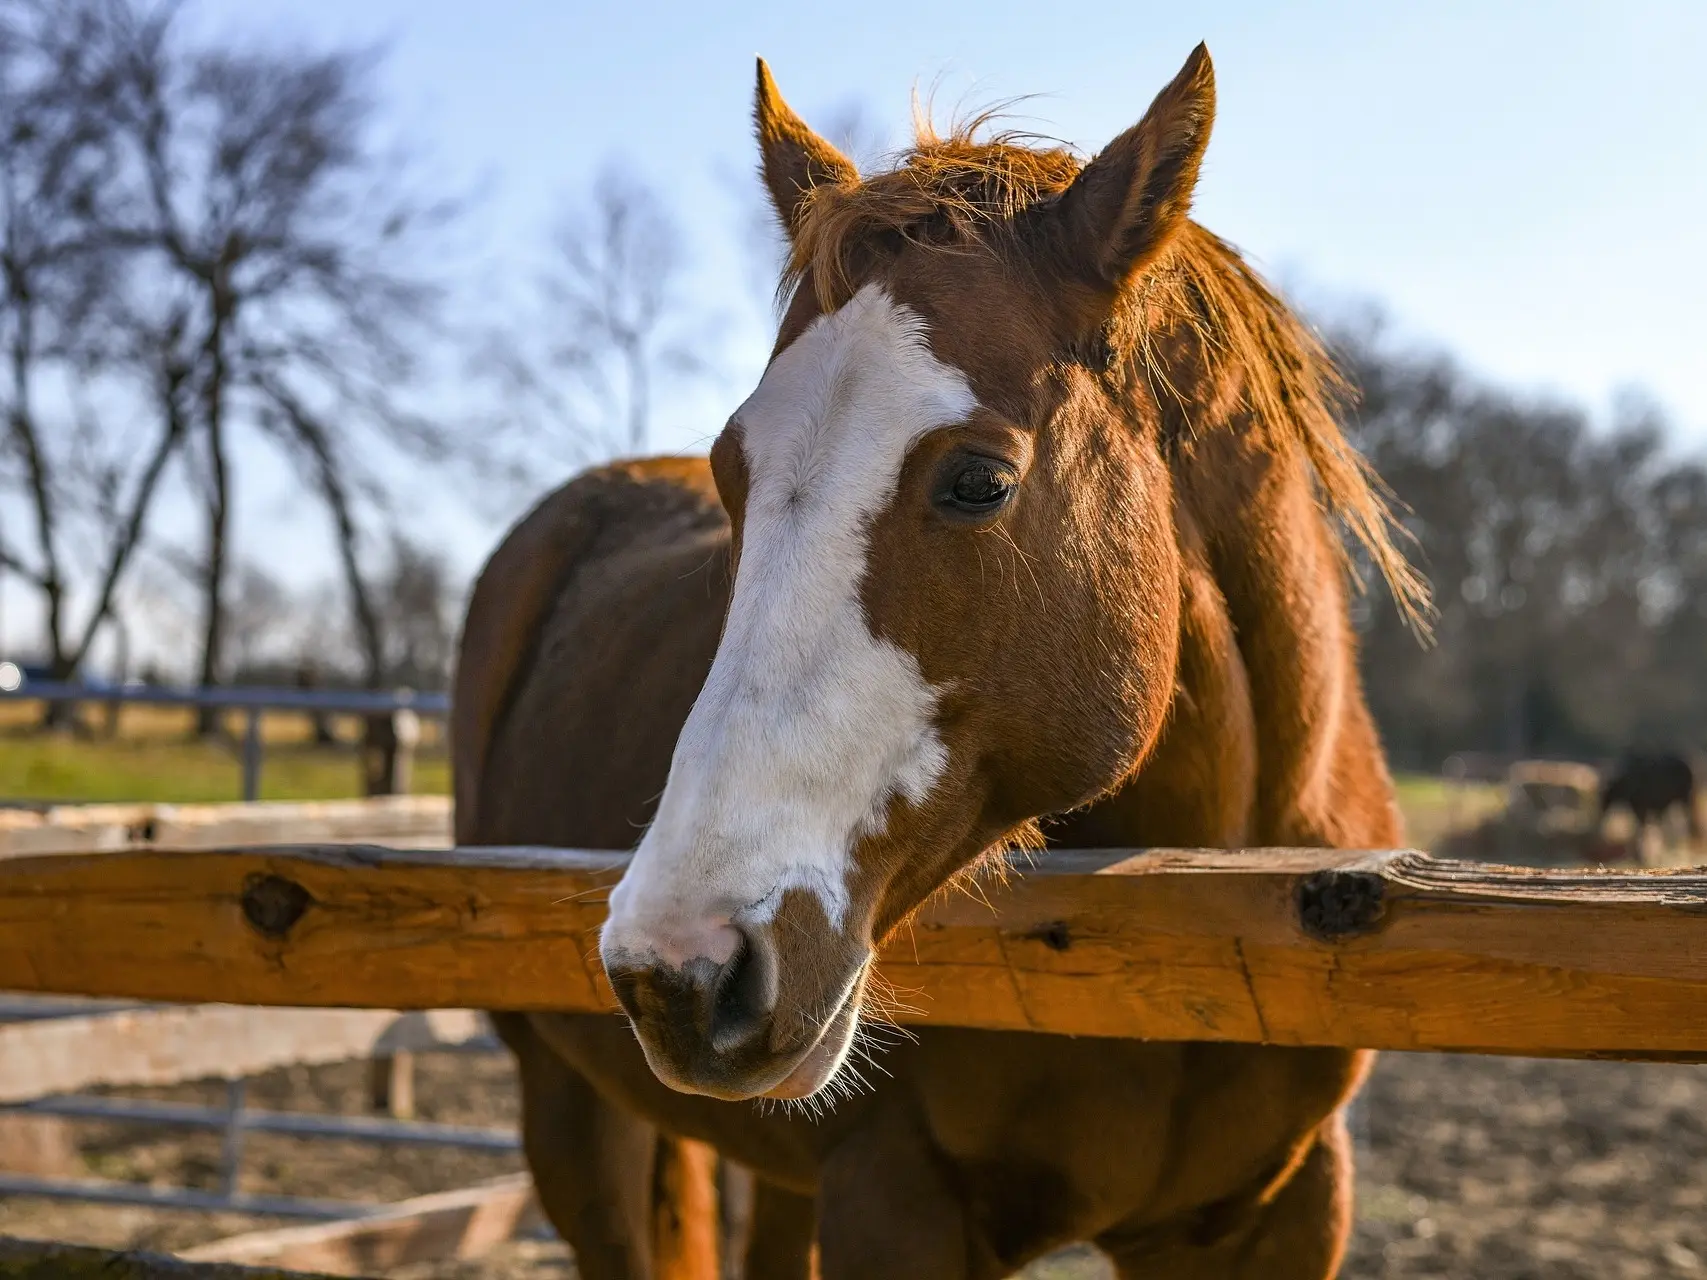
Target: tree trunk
639, 398
308, 679
127, 535
27, 437
219, 512
330, 480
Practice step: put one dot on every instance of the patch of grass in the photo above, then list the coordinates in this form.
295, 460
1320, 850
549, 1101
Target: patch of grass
1434, 807
153, 758
150, 755
62, 767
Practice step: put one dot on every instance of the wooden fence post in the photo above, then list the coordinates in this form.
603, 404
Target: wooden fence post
388, 752
391, 1084
252, 755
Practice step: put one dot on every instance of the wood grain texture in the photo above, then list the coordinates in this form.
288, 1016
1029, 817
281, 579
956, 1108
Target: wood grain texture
1283, 946
396, 821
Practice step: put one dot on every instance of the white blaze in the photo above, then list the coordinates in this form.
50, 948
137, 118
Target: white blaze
808, 723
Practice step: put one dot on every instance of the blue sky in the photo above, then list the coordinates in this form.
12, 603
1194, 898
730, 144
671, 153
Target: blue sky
1523, 184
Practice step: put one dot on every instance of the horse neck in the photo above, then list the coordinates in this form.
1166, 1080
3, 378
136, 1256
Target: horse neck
1269, 739
1321, 777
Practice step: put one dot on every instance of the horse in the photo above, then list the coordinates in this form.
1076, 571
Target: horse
1030, 535
1650, 785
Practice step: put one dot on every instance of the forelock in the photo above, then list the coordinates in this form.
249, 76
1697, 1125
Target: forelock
948, 193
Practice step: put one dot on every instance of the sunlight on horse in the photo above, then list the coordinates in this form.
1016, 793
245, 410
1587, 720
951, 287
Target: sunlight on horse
1029, 534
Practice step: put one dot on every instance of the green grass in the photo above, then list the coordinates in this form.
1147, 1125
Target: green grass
1426, 790
37, 766
156, 761
1434, 806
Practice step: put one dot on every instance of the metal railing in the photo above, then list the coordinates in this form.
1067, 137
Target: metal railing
254, 701
234, 1120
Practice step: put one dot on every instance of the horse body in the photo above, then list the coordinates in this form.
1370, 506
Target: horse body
1047, 1139
1153, 650
1650, 786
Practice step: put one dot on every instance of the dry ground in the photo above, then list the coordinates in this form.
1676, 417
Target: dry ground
1469, 1167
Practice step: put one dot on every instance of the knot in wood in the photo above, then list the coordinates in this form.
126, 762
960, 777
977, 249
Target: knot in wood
1055, 935
1334, 905
273, 904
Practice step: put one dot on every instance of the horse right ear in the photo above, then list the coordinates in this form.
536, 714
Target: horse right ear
792, 158
1122, 211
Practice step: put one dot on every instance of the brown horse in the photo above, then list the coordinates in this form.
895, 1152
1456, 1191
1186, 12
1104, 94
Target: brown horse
1028, 534
1651, 785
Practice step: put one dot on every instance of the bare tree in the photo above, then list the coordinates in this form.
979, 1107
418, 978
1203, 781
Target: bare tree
62, 276
621, 323
281, 250
260, 612
1569, 560
417, 605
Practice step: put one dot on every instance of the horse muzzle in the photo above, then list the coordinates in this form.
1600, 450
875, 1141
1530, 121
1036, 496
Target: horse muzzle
729, 1026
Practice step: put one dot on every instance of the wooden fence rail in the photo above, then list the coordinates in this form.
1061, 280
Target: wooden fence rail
408, 821
1283, 946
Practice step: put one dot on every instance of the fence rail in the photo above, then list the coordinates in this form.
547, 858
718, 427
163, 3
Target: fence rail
237, 697
94, 828
1281, 946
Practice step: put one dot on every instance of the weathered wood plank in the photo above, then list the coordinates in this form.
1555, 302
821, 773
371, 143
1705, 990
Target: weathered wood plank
166, 1045
397, 821
465, 1223
1306, 947
41, 1260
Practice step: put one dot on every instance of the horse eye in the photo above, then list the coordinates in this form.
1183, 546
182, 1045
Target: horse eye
980, 487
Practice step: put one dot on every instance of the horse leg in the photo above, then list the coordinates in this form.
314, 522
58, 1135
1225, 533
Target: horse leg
783, 1228
1650, 836
631, 1203
1299, 1234
735, 1193
685, 1211
1303, 1232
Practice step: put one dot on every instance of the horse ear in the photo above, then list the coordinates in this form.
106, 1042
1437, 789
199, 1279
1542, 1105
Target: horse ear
1128, 203
792, 158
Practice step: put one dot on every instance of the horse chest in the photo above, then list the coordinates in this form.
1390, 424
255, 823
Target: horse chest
1080, 1127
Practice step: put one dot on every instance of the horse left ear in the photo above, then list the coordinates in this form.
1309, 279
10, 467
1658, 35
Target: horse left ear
792, 158
1130, 201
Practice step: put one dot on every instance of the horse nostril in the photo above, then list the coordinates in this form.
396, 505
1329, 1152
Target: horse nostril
745, 994
626, 983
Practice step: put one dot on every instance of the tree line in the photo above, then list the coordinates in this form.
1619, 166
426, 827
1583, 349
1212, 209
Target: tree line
1568, 560
209, 261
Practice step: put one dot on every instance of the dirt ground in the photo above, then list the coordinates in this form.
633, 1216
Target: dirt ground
1497, 1169
1523, 1170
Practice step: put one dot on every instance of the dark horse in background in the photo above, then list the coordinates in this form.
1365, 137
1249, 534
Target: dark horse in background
1651, 785
1028, 535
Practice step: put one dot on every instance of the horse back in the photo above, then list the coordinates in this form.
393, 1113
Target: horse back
588, 635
